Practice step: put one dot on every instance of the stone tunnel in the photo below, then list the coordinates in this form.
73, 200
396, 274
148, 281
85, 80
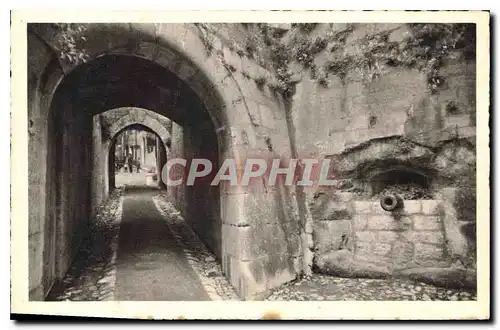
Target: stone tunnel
204, 97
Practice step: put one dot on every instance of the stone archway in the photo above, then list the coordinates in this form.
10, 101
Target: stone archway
129, 115
160, 155
106, 127
243, 120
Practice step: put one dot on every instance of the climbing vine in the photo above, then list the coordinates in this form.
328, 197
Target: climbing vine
426, 48
71, 41
206, 37
305, 27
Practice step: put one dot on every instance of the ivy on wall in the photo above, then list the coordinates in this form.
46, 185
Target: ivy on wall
427, 47
71, 41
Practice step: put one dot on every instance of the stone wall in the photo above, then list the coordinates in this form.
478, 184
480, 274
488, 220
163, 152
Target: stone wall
247, 118
422, 241
371, 119
414, 237
367, 120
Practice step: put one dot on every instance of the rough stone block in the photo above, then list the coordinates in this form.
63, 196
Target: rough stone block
412, 206
344, 263
399, 34
267, 116
457, 121
232, 59
467, 131
253, 278
384, 222
465, 155
366, 236
309, 227
362, 207
245, 243
428, 251
432, 237
387, 236
362, 135
245, 277
456, 240
251, 208
377, 209
381, 249
335, 145
363, 248
279, 268
232, 209
331, 235
357, 122
445, 277
35, 260
426, 222
402, 253
330, 207
430, 207
360, 221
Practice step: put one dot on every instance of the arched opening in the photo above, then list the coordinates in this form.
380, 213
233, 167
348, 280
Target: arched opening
214, 113
76, 137
136, 156
407, 182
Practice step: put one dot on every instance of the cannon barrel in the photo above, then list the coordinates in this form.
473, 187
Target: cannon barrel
391, 202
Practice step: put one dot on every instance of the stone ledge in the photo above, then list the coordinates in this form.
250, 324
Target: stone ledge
343, 263
445, 277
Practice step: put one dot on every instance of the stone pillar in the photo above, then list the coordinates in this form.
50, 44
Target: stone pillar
177, 194
111, 166
99, 166
123, 147
144, 147
260, 229
161, 159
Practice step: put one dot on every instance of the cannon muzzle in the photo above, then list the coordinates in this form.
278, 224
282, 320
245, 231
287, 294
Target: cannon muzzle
391, 202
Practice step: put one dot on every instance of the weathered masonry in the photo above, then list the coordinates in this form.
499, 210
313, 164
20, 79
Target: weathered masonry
394, 120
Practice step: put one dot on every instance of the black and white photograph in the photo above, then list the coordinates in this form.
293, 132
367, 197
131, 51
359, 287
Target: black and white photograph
279, 162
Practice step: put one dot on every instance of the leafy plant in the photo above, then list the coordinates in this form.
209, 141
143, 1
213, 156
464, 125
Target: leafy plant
70, 42
260, 81
305, 27
206, 37
251, 45
322, 77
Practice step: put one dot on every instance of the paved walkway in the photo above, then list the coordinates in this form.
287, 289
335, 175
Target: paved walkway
141, 248
133, 179
150, 264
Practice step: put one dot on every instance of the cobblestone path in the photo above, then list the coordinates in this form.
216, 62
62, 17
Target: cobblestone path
322, 287
140, 248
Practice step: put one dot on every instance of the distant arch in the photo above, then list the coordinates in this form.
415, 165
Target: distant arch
136, 116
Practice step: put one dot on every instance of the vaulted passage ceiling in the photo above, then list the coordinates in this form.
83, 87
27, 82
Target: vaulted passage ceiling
117, 81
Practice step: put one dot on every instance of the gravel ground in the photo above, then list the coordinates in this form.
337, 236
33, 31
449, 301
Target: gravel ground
322, 287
